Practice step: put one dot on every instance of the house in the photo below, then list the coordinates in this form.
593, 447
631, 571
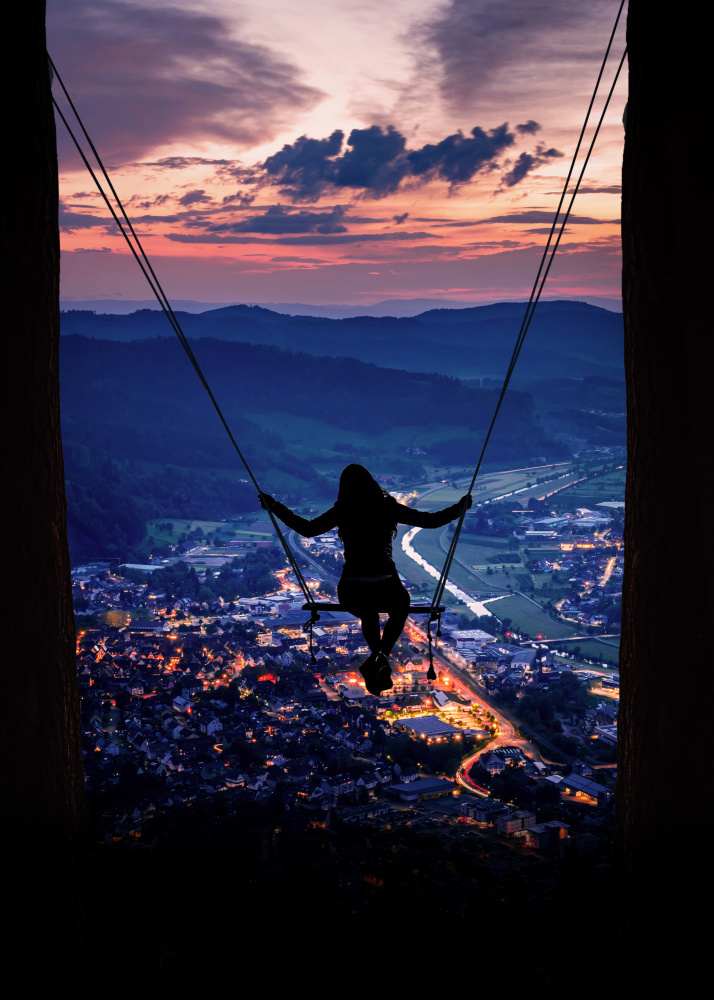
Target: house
470, 640
490, 762
368, 781
441, 699
512, 756
524, 659
180, 704
510, 824
174, 728
209, 724
422, 788
482, 810
543, 836
607, 733
584, 789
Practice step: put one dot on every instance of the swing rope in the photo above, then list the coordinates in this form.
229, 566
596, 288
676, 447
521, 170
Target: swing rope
536, 291
155, 285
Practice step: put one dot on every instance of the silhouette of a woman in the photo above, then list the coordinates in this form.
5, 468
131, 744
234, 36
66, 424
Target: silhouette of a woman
366, 518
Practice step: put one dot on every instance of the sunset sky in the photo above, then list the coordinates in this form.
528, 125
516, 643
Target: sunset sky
338, 151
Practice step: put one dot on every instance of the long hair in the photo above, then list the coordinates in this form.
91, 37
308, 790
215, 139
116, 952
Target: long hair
361, 500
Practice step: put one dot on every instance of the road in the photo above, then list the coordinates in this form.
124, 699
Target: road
607, 571
459, 679
506, 725
299, 550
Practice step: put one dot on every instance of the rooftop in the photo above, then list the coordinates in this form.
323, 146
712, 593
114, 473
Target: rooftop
430, 725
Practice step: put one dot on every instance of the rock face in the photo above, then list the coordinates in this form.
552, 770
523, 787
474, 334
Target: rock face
40, 748
668, 531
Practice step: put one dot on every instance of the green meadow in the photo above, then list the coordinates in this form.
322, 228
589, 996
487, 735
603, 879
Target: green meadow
528, 617
157, 534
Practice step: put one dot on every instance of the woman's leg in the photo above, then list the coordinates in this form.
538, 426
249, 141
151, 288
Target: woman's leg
370, 628
397, 603
393, 629
354, 598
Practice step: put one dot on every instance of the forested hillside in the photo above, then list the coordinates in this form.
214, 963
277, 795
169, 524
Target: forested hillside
142, 439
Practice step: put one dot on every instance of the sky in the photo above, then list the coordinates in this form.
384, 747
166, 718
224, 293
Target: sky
338, 151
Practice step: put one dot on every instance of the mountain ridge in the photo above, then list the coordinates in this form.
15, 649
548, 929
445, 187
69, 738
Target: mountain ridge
565, 339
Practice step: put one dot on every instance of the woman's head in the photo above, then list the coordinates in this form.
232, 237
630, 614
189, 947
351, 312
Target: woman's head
357, 485
363, 503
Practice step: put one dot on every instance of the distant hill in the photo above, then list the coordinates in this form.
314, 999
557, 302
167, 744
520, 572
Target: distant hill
566, 339
143, 400
387, 307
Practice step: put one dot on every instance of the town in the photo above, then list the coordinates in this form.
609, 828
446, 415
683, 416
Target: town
199, 695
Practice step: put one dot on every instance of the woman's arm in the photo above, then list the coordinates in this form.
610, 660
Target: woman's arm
432, 519
309, 529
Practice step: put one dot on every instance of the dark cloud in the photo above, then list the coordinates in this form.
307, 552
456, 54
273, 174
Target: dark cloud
367, 220
455, 224
527, 162
181, 162
456, 158
69, 222
241, 199
277, 220
535, 216
306, 166
316, 239
145, 75
147, 203
473, 39
297, 260
375, 161
503, 244
528, 128
92, 250
610, 189
423, 251
194, 197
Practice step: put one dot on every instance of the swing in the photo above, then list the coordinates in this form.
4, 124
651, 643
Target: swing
434, 612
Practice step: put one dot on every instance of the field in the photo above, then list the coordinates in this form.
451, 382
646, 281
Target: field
424, 583
432, 546
591, 648
596, 489
314, 441
158, 535
496, 484
475, 557
527, 616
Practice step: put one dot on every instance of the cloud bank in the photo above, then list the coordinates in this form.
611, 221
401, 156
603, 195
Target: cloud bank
471, 41
375, 161
145, 76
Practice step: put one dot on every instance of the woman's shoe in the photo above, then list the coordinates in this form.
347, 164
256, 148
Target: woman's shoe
370, 670
384, 672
